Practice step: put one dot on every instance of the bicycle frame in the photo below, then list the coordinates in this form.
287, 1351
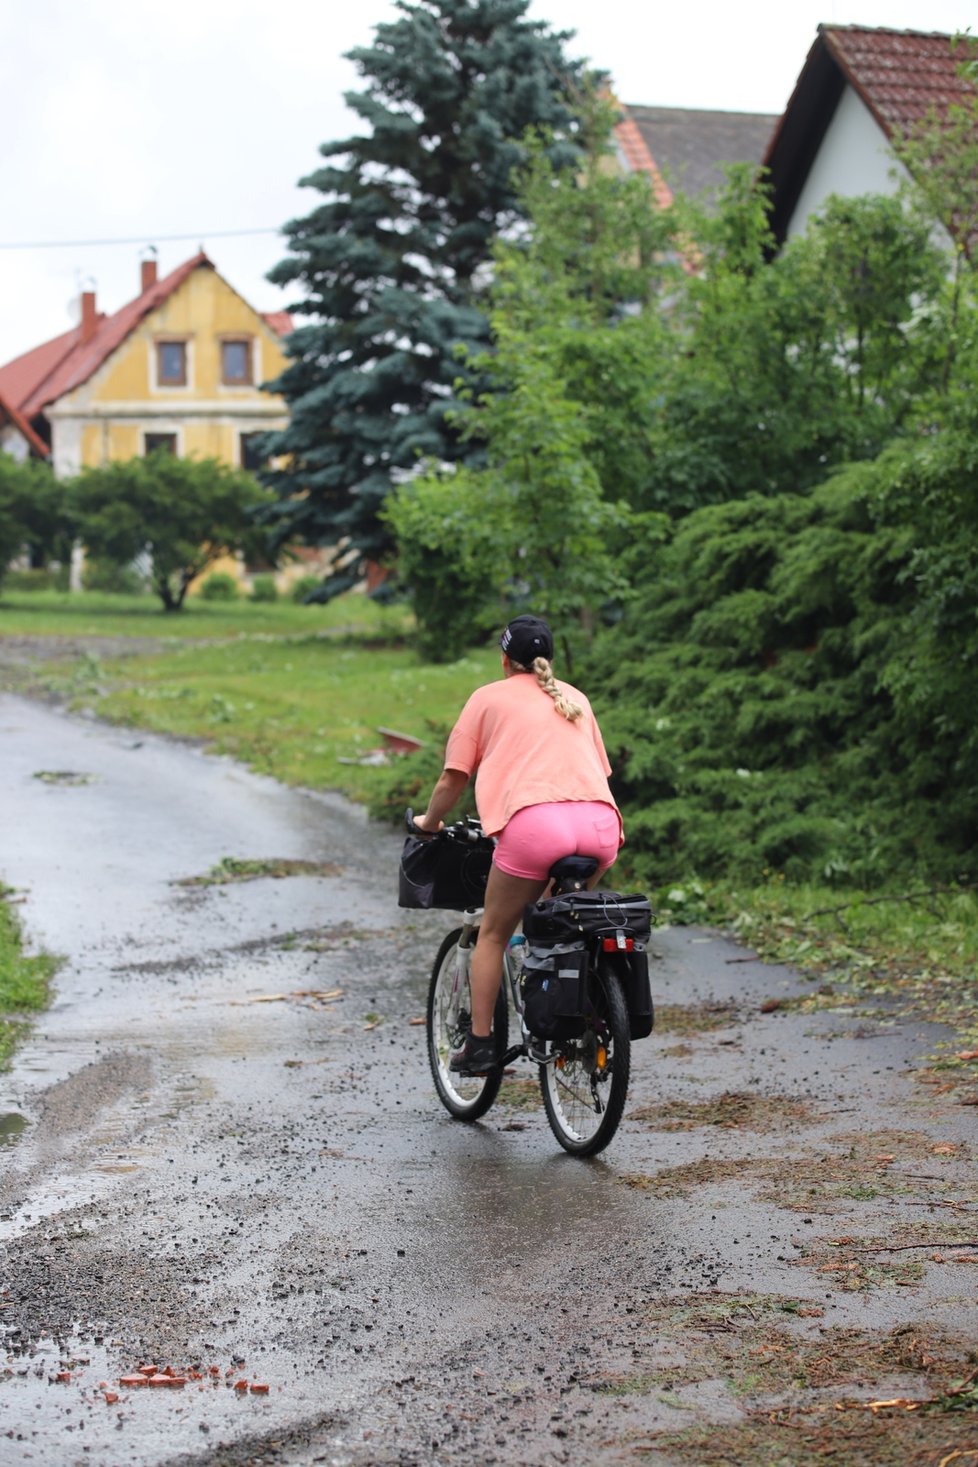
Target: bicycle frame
471, 918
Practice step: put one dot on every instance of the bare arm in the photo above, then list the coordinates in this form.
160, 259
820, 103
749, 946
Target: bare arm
451, 783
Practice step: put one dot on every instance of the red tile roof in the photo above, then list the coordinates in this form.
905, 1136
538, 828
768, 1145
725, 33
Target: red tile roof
689, 149
48, 372
900, 75
10, 414
639, 160
280, 322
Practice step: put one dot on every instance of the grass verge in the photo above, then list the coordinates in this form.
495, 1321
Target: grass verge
24, 981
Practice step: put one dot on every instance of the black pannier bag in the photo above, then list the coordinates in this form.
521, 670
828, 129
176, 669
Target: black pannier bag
587, 914
590, 917
443, 873
638, 994
554, 983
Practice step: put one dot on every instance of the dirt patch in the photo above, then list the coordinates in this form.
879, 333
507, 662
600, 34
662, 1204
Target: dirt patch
519, 1095
822, 1434
899, 1258
238, 868
671, 1018
900, 1396
870, 1165
731, 1110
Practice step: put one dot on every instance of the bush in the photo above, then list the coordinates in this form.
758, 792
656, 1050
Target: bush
752, 705
220, 586
112, 576
263, 588
48, 578
303, 588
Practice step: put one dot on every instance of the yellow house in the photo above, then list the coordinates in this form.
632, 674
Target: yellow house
178, 367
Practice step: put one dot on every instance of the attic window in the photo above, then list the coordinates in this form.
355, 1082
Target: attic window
171, 363
236, 363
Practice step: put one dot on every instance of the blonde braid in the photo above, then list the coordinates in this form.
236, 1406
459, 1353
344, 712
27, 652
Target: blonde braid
544, 675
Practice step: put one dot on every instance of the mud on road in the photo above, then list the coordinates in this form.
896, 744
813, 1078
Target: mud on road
224, 1159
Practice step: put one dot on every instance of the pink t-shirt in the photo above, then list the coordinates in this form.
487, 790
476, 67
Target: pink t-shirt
524, 752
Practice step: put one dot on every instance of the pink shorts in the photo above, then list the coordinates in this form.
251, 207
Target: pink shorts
538, 835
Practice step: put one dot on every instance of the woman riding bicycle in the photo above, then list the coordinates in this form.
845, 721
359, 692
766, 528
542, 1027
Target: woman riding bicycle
541, 787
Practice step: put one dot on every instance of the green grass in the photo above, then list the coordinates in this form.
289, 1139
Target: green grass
291, 691
24, 981
101, 614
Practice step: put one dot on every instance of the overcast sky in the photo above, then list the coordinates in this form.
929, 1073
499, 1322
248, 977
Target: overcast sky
133, 121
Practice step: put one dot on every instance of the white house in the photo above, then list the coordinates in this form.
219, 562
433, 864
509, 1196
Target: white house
858, 87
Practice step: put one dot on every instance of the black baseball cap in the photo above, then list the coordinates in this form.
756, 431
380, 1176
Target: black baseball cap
527, 637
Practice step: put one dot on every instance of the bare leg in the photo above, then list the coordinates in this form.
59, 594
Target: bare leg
506, 896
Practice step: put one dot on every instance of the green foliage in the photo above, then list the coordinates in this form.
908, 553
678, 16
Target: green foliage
304, 588
34, 517
24, 980
108, 575
767, 707
263, 588
52, 578
183, 513
536, 526
787, 366
220, 586
389, 263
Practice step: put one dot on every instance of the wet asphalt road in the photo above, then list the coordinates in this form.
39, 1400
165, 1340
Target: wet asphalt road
225, 1155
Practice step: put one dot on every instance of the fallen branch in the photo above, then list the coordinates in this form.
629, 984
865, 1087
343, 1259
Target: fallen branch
902, 1247
907, 896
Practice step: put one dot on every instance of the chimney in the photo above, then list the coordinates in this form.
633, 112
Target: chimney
89, 315
147, 274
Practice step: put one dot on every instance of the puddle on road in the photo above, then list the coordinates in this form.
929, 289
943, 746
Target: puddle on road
12, 1124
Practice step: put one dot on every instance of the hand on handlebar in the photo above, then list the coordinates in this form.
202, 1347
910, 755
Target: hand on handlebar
419, 828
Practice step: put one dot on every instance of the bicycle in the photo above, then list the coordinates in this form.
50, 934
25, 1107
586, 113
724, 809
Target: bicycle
583, 1079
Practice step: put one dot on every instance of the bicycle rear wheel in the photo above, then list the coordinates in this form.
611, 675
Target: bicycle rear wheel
449, 1016
585, 1083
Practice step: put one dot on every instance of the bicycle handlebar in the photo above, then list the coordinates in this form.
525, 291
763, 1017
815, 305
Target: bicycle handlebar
468, 830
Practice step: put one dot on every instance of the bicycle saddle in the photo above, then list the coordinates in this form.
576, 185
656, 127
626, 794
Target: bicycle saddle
573, 870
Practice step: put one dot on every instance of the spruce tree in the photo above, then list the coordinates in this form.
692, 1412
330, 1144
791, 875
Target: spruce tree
393, 264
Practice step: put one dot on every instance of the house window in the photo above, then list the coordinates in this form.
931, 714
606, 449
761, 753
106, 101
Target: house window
251, 458
159, 443
236, 363
171, 363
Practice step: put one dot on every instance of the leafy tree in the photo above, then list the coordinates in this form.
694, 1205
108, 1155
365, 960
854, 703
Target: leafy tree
792, 364
531, 529
184, 513
33, 514
795, 695
573, 352
391, 264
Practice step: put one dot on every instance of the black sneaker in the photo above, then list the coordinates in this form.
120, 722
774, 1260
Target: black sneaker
476, 1057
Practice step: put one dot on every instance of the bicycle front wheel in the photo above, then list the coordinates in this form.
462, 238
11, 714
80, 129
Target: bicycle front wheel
449, 1018
585, 1081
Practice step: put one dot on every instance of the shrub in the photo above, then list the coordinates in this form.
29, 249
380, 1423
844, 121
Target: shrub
263, 588
303, 588
113, 576
220, 586
48, 578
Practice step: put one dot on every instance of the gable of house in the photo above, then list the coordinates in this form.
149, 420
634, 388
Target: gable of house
180, 366
858, 88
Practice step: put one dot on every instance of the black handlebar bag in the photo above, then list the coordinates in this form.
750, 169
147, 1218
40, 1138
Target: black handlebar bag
443, 873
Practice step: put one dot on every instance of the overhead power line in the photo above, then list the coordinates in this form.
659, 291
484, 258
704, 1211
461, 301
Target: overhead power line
142, 239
